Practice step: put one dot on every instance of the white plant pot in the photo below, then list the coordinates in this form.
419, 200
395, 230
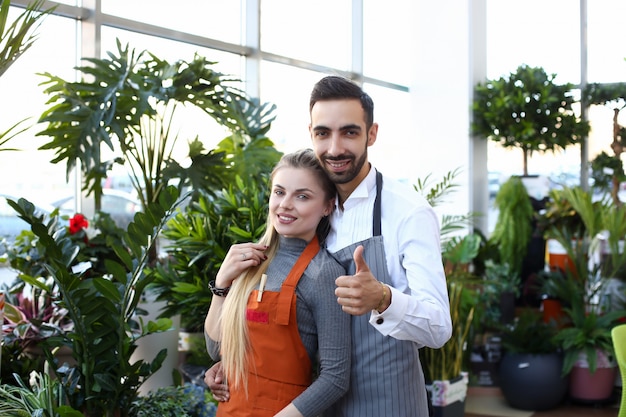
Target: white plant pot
149, 346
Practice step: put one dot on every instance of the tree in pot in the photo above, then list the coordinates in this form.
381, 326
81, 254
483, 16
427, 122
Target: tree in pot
527, 110
531, 367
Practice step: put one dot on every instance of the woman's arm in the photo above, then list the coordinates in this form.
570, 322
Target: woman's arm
239, 258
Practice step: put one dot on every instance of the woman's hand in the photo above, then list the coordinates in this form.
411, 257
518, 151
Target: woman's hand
239, 258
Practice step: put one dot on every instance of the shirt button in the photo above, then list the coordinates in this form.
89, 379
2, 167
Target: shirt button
380, 320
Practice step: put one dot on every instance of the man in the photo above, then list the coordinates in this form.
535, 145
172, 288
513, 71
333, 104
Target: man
387, 236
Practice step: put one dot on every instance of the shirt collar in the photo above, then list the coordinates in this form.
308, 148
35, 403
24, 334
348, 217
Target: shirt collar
363, 190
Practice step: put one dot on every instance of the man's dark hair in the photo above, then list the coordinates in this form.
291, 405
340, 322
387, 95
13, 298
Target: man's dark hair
334, 87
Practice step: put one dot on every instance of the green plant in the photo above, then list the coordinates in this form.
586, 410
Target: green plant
586, 332
186, 400
44, 397
16, 38
104, 311
129, 103
608, 170
198, 239
447, 362
527, 110
559, 215
587, 323
513, 228
497, 279
529, 334
458, 252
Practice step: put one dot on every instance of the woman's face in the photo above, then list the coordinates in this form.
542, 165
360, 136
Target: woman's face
297, 203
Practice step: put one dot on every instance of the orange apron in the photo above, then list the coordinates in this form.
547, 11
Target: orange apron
279, 368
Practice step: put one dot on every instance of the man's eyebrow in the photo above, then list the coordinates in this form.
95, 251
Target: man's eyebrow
350, 126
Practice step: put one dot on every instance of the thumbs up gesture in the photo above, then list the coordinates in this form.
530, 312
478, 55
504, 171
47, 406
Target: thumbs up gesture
360, 293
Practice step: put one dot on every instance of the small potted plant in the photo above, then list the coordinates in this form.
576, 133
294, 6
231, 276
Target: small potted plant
531, 367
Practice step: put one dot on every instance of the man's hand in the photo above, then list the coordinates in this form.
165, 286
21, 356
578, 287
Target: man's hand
360, 293
214, 378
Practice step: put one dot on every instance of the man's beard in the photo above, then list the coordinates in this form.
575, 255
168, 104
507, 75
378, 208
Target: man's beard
346, 176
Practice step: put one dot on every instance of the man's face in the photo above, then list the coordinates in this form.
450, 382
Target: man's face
340, 139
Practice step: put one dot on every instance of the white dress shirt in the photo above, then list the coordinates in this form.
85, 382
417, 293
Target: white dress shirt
420, 308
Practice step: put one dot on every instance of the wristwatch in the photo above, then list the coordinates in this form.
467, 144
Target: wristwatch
220, 292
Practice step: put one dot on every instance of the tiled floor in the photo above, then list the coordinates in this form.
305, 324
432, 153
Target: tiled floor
567, 409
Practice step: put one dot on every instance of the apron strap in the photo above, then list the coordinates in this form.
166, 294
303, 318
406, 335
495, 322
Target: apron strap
288, 288
377, 209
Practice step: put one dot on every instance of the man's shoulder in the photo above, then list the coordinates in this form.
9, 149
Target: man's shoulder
402, 193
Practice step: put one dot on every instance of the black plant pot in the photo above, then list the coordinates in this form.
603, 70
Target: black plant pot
533, 382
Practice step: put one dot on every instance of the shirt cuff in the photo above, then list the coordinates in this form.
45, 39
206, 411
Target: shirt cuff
386, 321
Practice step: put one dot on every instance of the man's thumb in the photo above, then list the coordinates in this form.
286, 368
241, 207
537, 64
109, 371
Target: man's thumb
359, 260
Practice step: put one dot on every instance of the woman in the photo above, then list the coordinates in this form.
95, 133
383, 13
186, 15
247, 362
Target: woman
274, 314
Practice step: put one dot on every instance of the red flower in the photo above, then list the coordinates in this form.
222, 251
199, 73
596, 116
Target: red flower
78, 223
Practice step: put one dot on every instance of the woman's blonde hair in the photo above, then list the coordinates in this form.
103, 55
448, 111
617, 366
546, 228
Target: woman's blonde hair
235, 343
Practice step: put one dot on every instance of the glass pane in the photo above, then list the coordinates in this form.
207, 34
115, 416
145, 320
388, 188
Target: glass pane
214, 19
28, 172
227, 63
393, 153
189, 122
315, 31
538, 33
386, 47
289, 89
605, 33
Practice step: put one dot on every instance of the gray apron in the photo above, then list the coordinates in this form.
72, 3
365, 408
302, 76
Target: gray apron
386, 375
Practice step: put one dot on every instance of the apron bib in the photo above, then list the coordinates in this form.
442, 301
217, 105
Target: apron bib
386, 375
279, 368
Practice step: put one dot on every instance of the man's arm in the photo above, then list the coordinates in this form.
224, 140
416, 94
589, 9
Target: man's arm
214, 378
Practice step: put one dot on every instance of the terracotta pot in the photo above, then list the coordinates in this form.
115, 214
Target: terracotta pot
593, 388
552, 311
558, 260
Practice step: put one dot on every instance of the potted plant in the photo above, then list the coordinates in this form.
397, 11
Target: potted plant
515, 234
531, 367
585, 336
443, 367
499, 291
528, 111
103, 309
